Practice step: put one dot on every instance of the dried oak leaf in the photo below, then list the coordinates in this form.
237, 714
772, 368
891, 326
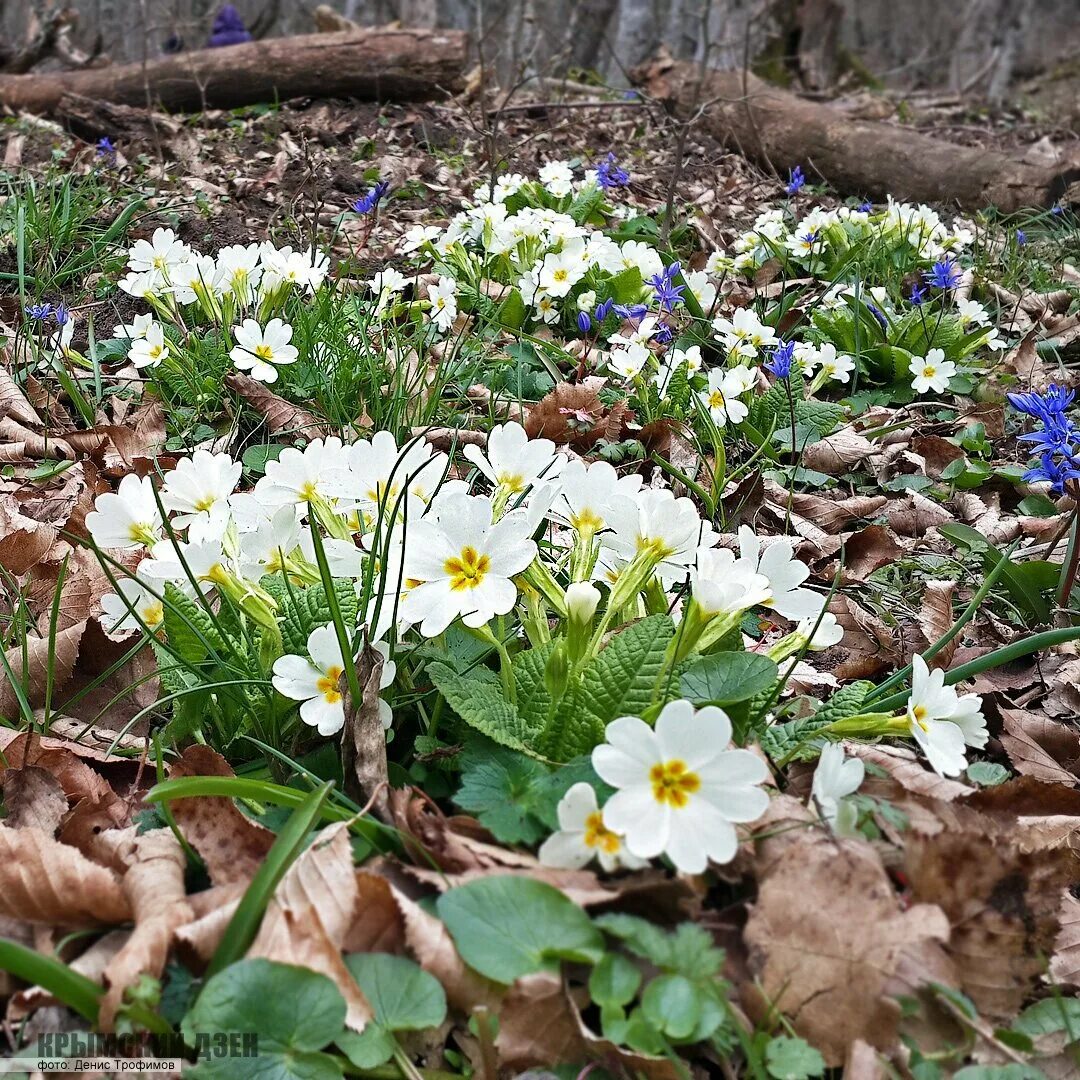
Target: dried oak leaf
154, 887
308, 918
916, 515
281, 416
230, 844
33, 798
936, 618
45, 881
827, 934
837, 453
377, 924
868, 550
1040, 747
212, 909
40, 662
831, 515
998, 869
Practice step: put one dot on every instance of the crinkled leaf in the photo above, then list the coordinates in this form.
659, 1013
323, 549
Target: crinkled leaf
792, 1059
501, 787
725, 678
482, 706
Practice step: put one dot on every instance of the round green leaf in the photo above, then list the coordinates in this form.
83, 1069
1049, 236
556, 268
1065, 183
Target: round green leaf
505, 927
792, 1059
404, 996
671, 1003
293, 1011
726, 678
370, 1048
614, 981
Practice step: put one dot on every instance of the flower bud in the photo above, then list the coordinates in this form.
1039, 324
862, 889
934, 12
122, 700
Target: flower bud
582, 599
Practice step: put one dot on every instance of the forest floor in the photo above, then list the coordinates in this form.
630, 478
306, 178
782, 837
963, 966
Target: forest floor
588, 607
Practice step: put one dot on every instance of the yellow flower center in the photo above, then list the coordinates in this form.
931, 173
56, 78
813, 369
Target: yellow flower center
513, 482
153, 613
716, 400
673, 783
467, 570
205, 503
560, 275
264, 352
588, 521
655, 545
307, 491
329, 683
918, 714
929, 371
598, 835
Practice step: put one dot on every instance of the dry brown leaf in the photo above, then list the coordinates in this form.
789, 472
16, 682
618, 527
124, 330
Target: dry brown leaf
1065, 963
538, 1025
197, 941
916, 515
281, 416
868, 550
936, 452
999, 879
363, 738
863, 1063
831, 515
827, 933
573, 415
377, 924
154, 887
433, 949
1040, 747
91, 964
44, 881
837, 453
936, 619
33, 798
906, 769
230, 844
308, 918
41, 660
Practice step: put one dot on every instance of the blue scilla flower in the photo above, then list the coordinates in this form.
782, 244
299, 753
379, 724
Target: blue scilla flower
878, 314
918, 295
1043, 406
630, 311
663, 334
782, 359
944, 274
603, 310
584, 322
61, 315
666, 293
796, 181
1054, 470
610, 175
1021, 238
104, 147
39, 312
366, 203
865, 207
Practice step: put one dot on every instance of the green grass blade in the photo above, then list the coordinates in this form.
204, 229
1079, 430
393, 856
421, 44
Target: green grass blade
76, 991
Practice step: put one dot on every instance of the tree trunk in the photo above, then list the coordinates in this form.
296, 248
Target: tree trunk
390, 65
858, 157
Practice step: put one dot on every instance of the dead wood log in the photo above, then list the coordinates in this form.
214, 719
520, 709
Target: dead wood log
869, 158
373, 65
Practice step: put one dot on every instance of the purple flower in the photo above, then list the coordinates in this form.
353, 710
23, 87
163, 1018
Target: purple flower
1043, 407
667, 294
62, 315
609, 175
783, 356
584, 322
366, 203
1057, 210
39, 312
1057, 442
228, 28
918, 295
1053, 470
796, 180
944, 274
663, 334
629, 311
104, 147
603, 310
1021, 238
878, 314
866, 207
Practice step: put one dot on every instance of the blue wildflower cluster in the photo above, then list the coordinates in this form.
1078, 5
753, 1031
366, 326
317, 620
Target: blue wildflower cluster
796, 180
666, 293
1057, 442
782, 357
944, 274
366, 203
610, 175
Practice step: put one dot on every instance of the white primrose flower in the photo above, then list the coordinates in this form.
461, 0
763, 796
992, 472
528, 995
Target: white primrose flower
829, 632
150, 348
418, 236
655, 521
724, 585
835, 366
464, 563
122, 610
148, 283
583, 836
162, 253
199, 484
941, 721
681, 790
931, 372
557, 178
721, 397
303, 269
238, 271
443, 303
262, 350
588, 494
315, 681
319, 471
835, 778
636, 253
744, 333
386, 284
127, 519
627, 361
560, 272
513, 461
971, 313
136, 329
785, 574
381, 472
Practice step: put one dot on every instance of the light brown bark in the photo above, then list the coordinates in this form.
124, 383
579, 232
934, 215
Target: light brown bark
867, 158
390, 65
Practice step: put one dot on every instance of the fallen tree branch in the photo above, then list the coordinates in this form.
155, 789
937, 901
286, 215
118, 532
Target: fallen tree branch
372, 65
859, 157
